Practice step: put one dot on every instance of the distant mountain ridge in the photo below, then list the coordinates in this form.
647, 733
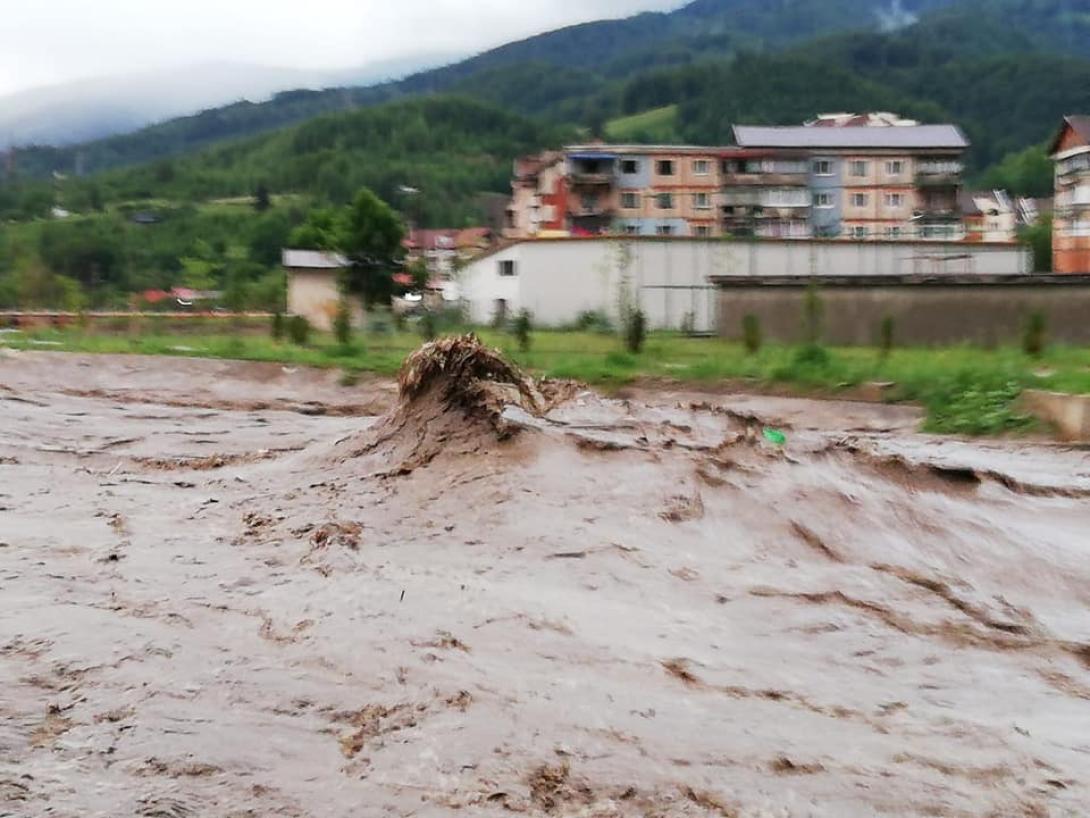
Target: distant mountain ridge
86, 110
583, 73
608, 48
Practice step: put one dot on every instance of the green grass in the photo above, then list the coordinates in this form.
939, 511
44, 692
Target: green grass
966, 390
656, 125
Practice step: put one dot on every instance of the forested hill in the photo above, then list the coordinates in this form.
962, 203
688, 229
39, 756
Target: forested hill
449, 149
1003, 69
553, 69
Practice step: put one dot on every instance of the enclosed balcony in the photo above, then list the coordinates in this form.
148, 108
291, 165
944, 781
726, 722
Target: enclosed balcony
939, 174
592, 170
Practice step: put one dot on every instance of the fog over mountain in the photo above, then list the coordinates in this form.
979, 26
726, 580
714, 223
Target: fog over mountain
88, 109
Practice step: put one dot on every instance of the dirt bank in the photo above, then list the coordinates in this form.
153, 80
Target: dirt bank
216, 604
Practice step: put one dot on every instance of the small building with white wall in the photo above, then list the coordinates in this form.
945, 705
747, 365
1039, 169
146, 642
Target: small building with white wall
313, 284
671, 279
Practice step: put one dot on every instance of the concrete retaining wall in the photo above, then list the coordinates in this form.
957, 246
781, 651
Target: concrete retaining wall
988, 310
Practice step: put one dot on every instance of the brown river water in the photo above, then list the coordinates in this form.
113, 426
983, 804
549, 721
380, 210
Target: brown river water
240, 590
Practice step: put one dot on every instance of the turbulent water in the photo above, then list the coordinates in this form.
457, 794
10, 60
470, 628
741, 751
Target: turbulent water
235, 590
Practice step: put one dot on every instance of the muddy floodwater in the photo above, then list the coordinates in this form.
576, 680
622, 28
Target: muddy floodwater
240, 590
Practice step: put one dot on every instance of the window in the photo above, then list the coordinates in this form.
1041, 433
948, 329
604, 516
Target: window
589, 201
665, 230
823, 200
895, 200
859, 168
630, 201
893, 232
858, 232
665, 201
702, 201
665, 167
507, 269
823, 167
895, 167
630, 166
703, 231
631, 229
701, 167
860, 199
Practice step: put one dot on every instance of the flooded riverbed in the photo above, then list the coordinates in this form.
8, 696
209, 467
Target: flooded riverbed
239, 590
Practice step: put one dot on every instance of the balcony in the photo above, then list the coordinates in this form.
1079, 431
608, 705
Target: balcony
939, 174
588, 179
742, 198
583, 211
937, 214
765, 180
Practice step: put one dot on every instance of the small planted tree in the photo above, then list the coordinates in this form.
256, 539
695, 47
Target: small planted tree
299, 330
751, 334
886, 336
522, 328
1035, 336
277, 328
813, 313
635, 330
342, 322
429, 325
812, 353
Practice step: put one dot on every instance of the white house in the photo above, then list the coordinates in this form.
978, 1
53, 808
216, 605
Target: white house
313, 286
556, 279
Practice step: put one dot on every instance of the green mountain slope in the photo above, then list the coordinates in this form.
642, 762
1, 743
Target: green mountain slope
560, 69
449, 149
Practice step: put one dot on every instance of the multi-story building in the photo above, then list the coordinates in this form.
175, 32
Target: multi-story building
870, 181
870, 177
635, 190
1071, 218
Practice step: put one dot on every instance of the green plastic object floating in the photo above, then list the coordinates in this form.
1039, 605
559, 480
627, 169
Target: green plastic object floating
776, 436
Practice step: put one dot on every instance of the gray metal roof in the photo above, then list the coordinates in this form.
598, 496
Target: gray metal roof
947, 137
313, 260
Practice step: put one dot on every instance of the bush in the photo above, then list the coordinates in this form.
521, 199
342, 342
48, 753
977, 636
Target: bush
379, 323
688, 323
813, 311
429, 325
278, 328
970, 404
751, 334
299, 330
1035, 337
521, 329
635, 330
593, 321
342, 323
885, 336
811, 355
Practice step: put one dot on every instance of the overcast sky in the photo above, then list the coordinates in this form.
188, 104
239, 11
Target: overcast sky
51, 41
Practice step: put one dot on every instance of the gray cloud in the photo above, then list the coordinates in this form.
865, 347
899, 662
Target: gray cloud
53, 41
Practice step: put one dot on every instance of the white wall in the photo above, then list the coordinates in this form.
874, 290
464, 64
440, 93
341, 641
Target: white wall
314, 294
558, 279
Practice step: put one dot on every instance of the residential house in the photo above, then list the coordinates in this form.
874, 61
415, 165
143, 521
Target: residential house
443, 253
640, 190
313, 283
1071, 216
874, 181
871, 176
539, 196
995, 216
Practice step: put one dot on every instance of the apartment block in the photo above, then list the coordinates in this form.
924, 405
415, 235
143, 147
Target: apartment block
834, 178
1071, 219
871, 182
